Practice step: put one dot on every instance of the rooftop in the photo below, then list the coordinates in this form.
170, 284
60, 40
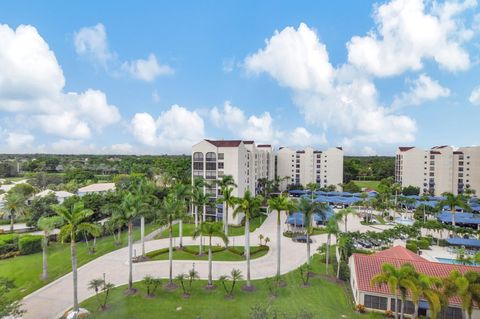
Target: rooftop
225, 143
98, 187
367, 266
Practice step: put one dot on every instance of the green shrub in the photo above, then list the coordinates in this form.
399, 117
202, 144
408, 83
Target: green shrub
412, 246
157, 252
236, 251
9, 238
424, 243
30, 244
8, 243
344, 271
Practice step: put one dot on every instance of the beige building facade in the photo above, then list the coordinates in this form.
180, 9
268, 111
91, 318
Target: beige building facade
245, 161
438, 170
306, 166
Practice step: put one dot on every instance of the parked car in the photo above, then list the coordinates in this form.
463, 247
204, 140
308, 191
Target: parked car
301, 239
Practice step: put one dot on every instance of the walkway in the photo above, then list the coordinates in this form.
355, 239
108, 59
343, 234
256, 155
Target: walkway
54, 299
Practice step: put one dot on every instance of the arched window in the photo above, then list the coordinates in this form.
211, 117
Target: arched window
211, 157
198, 156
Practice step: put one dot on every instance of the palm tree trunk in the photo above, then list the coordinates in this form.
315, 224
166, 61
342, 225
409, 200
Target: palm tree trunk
346, 217
308, 248
44, 256
130, 256
180, 232
338, 263
247, 248
415, 313
225, 218
210, 262
73, 251
327, 254
402, 314
278, 243
170, 253
196, 216
142, 233
12, 219
453, 217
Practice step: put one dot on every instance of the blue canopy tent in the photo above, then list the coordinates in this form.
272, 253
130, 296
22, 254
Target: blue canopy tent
296, 219
430, 203
460, 218
468, 243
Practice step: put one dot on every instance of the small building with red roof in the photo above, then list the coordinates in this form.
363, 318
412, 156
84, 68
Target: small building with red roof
378, 298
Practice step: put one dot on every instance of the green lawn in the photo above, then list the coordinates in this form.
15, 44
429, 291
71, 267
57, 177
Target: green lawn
323, 298
368, 184
188, 229
218, 254
26, 270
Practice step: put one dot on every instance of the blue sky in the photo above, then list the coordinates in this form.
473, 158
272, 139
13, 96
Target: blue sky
152, 77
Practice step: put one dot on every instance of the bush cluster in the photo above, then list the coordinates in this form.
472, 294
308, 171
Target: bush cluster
30, 244
13, 244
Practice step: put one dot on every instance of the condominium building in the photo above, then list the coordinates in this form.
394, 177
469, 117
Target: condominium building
306, 166
243, 160
438, 170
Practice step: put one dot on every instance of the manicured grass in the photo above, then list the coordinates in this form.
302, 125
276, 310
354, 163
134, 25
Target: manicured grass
218, 253
26, 270
368, 184
189, 229
323, 298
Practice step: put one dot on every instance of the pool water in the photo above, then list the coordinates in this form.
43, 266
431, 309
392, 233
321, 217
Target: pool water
453, 261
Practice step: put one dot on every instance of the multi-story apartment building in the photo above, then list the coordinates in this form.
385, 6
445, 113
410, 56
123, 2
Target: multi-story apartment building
309, 166
243, 160
438, 170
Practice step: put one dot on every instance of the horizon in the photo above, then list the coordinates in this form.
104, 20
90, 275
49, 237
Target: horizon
156, 78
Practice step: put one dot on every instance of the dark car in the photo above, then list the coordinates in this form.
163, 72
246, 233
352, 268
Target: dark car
301, 239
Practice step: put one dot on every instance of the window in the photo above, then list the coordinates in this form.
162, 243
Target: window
211, 166
375, 302
220, 156
197, 156
220, 165
210, 174
450, 313
409, 306
198, 166
210, 157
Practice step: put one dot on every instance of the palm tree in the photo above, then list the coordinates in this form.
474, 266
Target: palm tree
210, 229
146, 189
197, 190
170, 210
76, 222
308, 208
452, 202
132, 206
312, 187
426, 289
183, 193
15, 204
397, 279
466, 287
117, 220
332, 229
200, 199
47, 224
227, 184
278, 204
344, 213
249, 206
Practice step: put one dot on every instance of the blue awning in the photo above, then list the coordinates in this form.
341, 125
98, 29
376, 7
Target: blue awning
460, 218
457, 241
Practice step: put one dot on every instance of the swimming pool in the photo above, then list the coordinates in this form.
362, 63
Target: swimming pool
404, 221
453, 261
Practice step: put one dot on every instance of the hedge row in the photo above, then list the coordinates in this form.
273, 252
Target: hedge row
13, 244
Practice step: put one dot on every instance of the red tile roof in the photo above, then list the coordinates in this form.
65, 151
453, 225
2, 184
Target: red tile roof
264, 145
225, 143
367, 266
247, 142
405, 148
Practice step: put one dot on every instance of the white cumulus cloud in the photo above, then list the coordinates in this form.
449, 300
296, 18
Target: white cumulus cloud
341, 99
475, 96
421, 90
92, 43
32, 87
146, 70
410, 31
175, 130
